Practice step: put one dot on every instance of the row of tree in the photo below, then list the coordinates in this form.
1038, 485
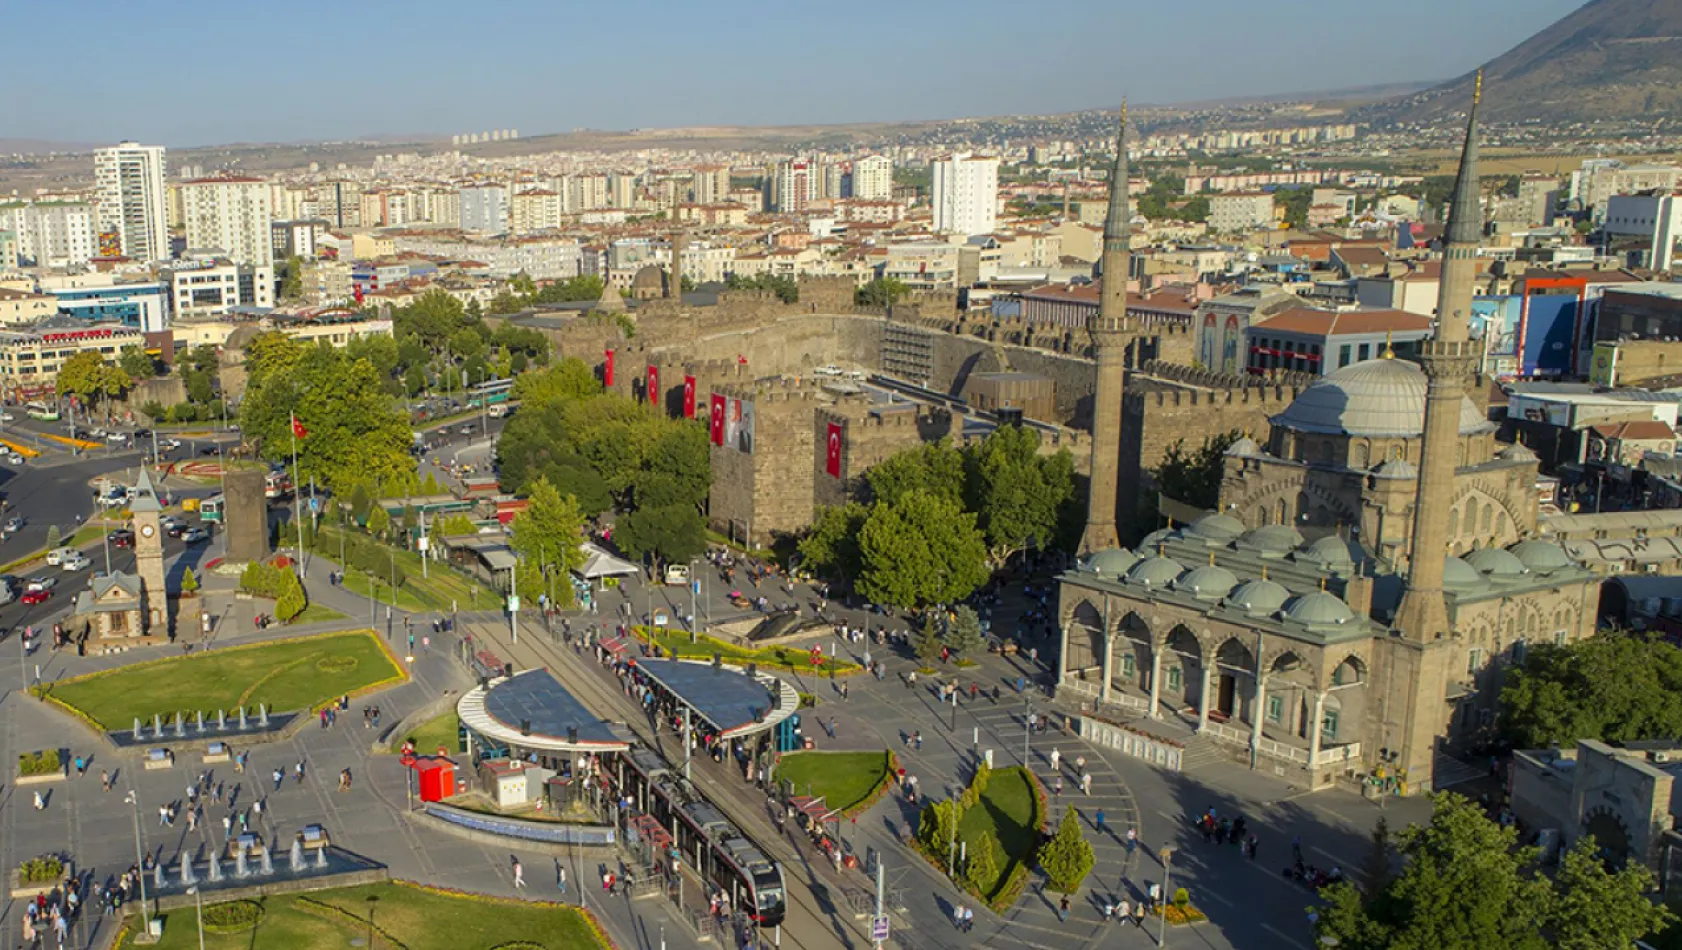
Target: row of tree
940, 518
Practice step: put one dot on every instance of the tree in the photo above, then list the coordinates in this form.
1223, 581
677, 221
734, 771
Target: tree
1592, 907
89, 378
963, 634
291, 279
831, 545
189, 583
935, 828
1616, 687
672, 534
1294, 202
882, 292
379, 521
136, 362
549, 534
1195, 477
922, 549
52, 536
784, 289
927, 645
982, 872
1067, 858
456, 525
936, 468
1017, 493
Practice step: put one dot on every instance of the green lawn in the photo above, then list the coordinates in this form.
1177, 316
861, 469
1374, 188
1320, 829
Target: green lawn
315, 613
428, 736
420, 919
1007, 814
442, 588
286, 675
704, 647
842, 779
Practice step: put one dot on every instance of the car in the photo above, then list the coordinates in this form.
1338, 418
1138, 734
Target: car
171, 443
38, 596
142, 433
176, 530
97, 434
15, 459
195, 536
77, 563
7, 417
115, 436
172, 521
58, 556
466, 429
12, 526
122, 538
40, 582
211, 449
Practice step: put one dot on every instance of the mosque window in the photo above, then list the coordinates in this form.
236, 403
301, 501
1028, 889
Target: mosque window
1129, 666
1328, 724
1276, 704
1176, 679
1474, 660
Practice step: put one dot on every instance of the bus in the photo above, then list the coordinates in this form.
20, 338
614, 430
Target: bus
210, 509
42, 411
489, 393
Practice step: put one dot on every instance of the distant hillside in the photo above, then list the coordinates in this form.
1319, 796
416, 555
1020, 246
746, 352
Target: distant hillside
1609, 60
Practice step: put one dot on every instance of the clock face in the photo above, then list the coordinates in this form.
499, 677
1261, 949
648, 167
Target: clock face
147, 530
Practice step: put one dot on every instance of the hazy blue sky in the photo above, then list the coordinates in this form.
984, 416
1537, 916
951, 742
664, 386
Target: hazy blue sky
186, 72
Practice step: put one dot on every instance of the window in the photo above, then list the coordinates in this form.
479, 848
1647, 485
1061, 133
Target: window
1275, 709
1519, 650
1364, 353
1474, 660
1176, 680
1559, 637
1328, 724
1129, 666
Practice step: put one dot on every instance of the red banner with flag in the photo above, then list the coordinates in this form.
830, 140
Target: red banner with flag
653, 382
689, 397
607, 370
832, 450
298, 429
718, 419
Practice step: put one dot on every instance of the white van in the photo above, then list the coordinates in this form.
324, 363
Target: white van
58, 556
677, 574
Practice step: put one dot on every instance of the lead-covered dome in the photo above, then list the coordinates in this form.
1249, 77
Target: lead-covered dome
1258, 598
1319, 609
1543, 557
1271, 539
1460, 576
1219, 528
1330, 551
1155, 572
1496, 562
1382, 397
1113, 562
1207, 583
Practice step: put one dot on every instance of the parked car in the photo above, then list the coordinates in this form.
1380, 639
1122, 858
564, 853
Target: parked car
195, 535
7, 417
12, 526
122, 538
15, 459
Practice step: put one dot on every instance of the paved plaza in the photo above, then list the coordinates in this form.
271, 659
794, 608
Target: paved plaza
1249, 903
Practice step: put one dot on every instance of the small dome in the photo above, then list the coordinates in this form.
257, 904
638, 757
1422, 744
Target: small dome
1543, 557
1329, 551
1244, 446
1272, 539
1460, 576
1258, 598
1496, 562
1319, 609
1517, 452
1382, 397
1113, 562
1159, 536
1207, 583
1221, 528
1396, 468
648, 277
1155, 572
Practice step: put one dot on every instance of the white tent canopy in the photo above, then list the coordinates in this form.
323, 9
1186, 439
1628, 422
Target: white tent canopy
599, 563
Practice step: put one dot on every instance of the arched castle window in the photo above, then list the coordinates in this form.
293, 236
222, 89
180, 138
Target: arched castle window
1398, 451
1261, 515
1488, 516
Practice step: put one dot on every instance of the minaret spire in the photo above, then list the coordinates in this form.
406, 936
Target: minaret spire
1109, 330
1449, 360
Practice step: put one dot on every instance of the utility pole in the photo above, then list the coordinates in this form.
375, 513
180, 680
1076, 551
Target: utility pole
1167, 856
686, 741
514, 602
1027, 730
879, 886
140, 862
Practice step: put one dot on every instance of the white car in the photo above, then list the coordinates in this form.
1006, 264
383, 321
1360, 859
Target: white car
115, 436
57, 556
77, 563
7, 417
15, 459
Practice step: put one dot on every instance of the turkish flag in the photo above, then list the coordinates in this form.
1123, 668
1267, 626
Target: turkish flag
607, 370
653, 382
689, 397
718, 419
832, 452
298, 428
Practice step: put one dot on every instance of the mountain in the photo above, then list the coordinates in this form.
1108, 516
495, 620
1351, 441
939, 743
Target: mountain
1610, 60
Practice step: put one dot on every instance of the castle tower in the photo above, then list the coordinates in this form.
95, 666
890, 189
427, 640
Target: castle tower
149, 556
1109, 331
1449, 360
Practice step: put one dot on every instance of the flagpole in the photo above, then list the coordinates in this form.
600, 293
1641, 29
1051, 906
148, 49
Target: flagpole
297, 516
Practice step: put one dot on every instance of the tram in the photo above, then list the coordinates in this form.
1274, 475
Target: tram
718, 850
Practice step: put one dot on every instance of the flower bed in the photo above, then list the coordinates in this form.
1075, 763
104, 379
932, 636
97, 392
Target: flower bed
42, 870
1180, 915
232, 917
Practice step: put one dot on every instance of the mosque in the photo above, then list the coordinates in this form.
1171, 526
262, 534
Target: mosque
1372, 568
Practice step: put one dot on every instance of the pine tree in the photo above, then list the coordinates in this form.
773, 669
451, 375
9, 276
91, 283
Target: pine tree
982, 871
927, 645
1067, 858
189, 583
963, 634
1375, 872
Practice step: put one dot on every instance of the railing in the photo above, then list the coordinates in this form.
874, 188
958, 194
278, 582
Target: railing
1159, 752
585, 835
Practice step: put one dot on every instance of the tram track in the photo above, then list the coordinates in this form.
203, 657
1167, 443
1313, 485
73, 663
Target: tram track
823, 929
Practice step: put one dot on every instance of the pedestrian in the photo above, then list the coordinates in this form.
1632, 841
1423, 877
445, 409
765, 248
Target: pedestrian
81, 766
298, 771
1098, 821
969, 919
1057, 785
1063, 908
1124, 911
1139, 915
1109, 911
1056, 754
1132, 839
560, 876
519, 875
40, 802
958, 916
1250, 847
163, 816
1086, 783
227, 826
279, 777
1154, 894
105, 779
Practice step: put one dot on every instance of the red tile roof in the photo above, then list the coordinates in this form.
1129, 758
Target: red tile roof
1310, 321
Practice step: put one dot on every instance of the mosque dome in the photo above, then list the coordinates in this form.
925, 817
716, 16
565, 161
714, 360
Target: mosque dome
1382, 397
1207, 583
1319, 609
1155, 538
1113, 562
1542, 557
1396, 468
1496, 563
1258, 598
1518, 452
1271, 539
649, 279
1329, 551
1155, 572
1218, 528
1460, 576
1244, 446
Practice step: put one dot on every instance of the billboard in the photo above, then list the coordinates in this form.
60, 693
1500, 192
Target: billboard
742, 413
1603, 365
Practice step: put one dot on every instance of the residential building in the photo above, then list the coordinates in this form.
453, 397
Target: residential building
622, 190
231, 216
873, 178
1305, 340
130, 182
368, 246
794, 185
1594, 185
1240, 211
296, 238
966, 194
536, 210
541, 258
586, 193
711, 184
207, 288
484, 209
328, 281
50, 233
22, 308
1652, 222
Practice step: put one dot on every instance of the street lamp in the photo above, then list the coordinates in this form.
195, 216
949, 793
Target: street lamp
198, 906
1167, 856
133, 801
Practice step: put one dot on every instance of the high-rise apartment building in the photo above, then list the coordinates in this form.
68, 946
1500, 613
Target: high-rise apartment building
484, 208
535, 210
230, 215
50, 233
622, 190
966, 194
794, 186
130, 181
587, 193
873, 178
712, 184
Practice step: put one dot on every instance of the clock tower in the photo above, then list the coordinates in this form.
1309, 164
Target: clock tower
149, 556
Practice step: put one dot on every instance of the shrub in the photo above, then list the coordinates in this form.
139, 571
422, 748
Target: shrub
189, 583
42, 870
40, 763
1182, 897
232, 917
983, 869
1067, 858
289, 605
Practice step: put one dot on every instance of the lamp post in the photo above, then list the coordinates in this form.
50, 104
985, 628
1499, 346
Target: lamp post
1167, 856
198, 907
1027, 729
139, 861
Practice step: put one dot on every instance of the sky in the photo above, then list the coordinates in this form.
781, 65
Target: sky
189, 72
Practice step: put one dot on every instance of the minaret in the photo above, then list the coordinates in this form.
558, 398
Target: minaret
674, 286
1449, 360
1109, 331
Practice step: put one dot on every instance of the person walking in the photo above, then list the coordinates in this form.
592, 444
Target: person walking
969, 919
40, 802
1132, 839
1086, 783
1098, 821
1056, 754
105, 779
1063, 908
1124, 911
298, 771
279, 777
519, 876
560, 876
958, 916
